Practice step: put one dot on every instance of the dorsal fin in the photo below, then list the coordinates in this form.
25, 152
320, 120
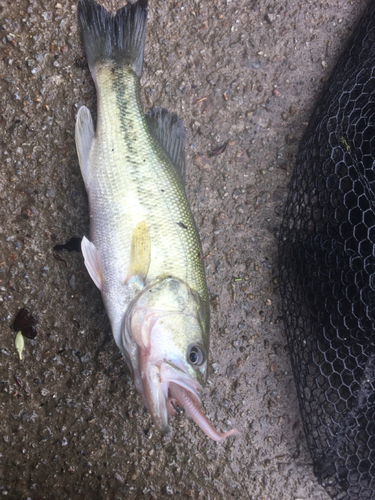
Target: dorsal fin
168, 129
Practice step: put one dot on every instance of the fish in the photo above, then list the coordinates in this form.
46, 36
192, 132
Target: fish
327, 273
144, 251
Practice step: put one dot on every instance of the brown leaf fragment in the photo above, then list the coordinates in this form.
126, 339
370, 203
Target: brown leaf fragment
219, 150
60, 259
18, 380
27, 212
203, 162
26, 323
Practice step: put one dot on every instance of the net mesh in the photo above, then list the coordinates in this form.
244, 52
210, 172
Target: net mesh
327, 273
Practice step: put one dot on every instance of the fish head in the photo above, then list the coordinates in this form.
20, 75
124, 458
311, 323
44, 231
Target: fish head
165, 337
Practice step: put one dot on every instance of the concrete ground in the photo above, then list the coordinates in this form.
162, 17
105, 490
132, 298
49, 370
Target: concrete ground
72, 425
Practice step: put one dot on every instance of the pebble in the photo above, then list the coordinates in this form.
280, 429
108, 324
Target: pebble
270, 17
119, 478
169, 490
215, 367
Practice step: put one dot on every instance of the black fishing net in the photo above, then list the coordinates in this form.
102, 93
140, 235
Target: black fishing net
327, 273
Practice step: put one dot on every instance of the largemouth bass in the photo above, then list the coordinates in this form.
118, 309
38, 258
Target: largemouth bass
145, 253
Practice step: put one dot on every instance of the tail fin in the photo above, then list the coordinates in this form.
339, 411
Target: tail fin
120, 38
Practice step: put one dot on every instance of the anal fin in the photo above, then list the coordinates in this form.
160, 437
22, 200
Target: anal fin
140, 253
90, 254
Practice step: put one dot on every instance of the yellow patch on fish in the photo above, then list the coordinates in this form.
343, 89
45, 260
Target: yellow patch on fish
140, 253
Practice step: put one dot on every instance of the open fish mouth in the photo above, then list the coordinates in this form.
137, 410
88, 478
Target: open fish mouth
161, 396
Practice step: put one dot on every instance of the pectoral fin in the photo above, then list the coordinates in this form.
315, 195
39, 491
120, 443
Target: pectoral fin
90, 254
84, 134
140, 253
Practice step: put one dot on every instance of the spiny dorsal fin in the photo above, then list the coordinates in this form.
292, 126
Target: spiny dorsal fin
140, 253
168, 129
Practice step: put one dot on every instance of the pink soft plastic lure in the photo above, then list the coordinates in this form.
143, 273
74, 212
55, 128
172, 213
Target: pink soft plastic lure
192, 408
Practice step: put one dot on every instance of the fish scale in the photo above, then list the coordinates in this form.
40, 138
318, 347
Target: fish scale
174, 249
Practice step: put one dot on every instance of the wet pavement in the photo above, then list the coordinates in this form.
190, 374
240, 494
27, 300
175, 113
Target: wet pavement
245, 73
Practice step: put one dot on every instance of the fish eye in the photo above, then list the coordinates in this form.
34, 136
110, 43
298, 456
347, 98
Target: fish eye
196, 355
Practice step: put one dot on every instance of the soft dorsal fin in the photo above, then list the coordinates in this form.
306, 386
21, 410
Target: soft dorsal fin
140, 253
90, 254
84, 134
168, 129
